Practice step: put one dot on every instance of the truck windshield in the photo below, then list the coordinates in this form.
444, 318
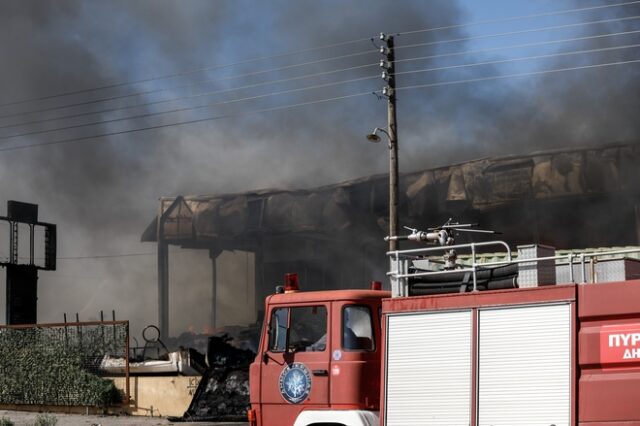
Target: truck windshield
308, 329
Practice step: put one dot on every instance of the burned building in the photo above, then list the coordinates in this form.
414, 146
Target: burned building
333, 235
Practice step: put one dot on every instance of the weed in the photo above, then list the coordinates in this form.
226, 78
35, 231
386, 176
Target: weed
45, 420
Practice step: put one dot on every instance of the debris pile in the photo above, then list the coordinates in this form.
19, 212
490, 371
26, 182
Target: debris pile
223, 393
241, 337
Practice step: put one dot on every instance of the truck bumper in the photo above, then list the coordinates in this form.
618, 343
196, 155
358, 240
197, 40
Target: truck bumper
344, 417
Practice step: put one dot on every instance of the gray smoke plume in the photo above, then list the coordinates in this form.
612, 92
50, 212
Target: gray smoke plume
103, 192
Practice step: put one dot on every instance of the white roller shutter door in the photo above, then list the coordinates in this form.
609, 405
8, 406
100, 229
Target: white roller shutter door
428, 369
525, 366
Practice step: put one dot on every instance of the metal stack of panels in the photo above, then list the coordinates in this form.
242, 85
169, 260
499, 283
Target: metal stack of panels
610, 270
534, 274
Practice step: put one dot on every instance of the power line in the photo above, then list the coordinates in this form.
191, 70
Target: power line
105, 256
295, 52
516, 46
94, 138
516, 18
444, 68
111, 98
153, 114
188, 72
142, 93
532, 30
474, 80
526, 58
100, 256
182, 123
108, 110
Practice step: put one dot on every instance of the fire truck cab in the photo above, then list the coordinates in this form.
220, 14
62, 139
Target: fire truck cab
319, 358
538, 338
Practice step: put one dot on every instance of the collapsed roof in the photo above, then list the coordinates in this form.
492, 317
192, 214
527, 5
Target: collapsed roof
361, 206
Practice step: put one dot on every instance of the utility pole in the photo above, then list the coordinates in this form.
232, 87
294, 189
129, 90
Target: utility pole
389, 75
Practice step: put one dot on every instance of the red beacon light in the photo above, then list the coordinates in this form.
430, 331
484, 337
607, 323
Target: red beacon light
376, 285
291, 283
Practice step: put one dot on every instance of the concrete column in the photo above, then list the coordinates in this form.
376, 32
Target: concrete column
163, 277
259, 277
213, 255
163, 289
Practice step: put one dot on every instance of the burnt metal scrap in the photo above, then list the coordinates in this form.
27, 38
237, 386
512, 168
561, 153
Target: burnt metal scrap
223, 392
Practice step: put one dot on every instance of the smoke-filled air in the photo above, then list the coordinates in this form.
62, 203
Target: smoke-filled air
106, 106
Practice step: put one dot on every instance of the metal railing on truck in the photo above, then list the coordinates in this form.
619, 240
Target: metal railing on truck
401, 260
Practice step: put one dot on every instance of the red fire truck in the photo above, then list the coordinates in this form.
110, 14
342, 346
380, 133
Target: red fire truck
541, 338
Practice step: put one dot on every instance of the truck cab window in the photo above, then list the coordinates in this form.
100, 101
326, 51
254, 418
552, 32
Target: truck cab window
278, 330
357, 328
307, 329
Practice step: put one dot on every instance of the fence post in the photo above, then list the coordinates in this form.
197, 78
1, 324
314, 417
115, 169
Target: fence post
126, 364
79, 330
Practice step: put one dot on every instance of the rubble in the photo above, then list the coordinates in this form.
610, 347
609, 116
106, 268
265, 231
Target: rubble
223, 393
186, 362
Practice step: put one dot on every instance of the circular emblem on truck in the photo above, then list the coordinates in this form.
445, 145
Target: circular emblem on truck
295, 383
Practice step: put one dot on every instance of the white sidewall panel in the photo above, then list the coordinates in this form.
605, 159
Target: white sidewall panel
525, 366
428, 369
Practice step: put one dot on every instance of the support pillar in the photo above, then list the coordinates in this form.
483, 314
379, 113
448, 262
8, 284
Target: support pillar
22, 294
259, 292
163, 289
163, 278
213, 255
638, 222
22, 277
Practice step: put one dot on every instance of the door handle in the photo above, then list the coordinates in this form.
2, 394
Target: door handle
320, 373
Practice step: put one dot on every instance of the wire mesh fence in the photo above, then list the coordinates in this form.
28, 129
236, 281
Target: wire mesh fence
60, 364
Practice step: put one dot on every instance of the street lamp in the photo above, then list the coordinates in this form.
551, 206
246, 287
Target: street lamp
373, 136
393, 182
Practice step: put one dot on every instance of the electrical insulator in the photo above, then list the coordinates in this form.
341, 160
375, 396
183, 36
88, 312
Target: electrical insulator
384, 75
383, 50
383, 37
386, 91
384, 64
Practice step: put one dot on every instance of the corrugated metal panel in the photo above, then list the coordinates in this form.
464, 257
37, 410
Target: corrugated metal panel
608, 270
428, 369
465, 259
525, 366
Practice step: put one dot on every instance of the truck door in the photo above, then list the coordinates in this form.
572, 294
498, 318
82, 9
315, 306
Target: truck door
295, 370
355, 365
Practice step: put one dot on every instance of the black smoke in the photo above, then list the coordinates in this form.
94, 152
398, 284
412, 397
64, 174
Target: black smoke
103, 191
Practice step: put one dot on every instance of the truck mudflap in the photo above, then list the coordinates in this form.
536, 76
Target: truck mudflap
343, 417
